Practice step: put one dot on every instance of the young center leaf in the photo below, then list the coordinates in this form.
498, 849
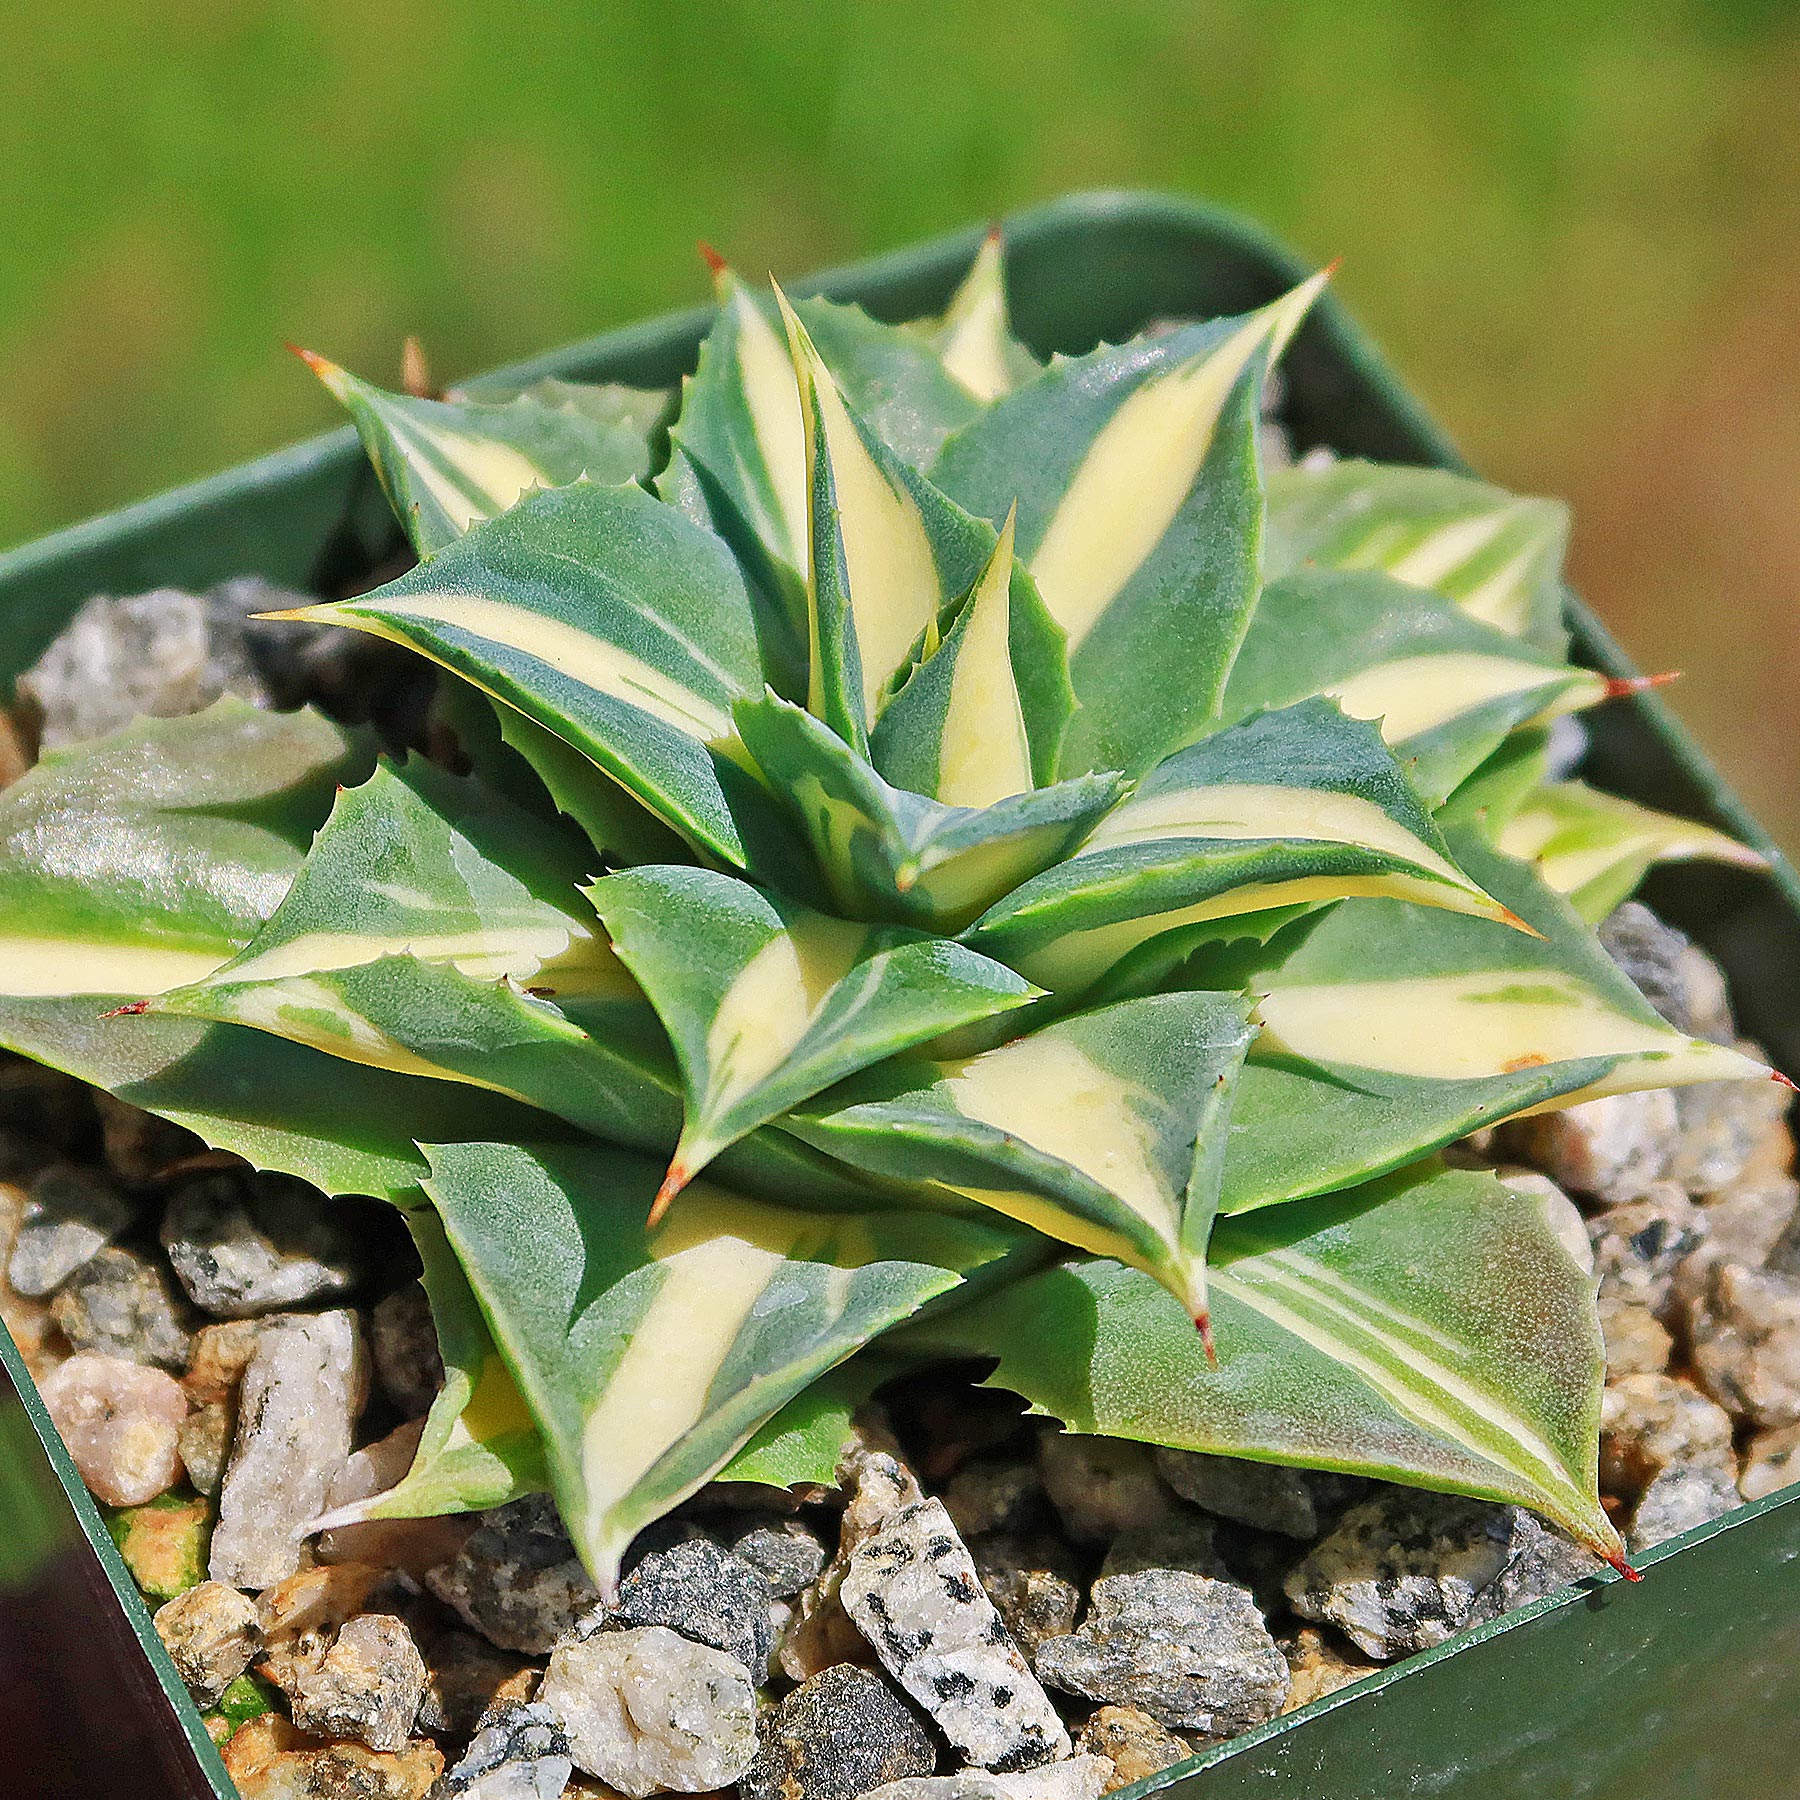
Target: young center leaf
1134, 472
974, 336
887, 853
1104, 1130
1363, 1333
1389, 1030
449, 464
768, 1002
649, 1359
1497, 555
1287, 808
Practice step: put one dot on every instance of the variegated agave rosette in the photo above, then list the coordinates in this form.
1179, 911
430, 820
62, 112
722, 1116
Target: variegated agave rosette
946, 859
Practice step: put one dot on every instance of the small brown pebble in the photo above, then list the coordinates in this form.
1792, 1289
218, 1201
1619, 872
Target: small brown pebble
1320, 1663
367, 1687
211, 1633
465, 1677
204, 1441
1650, 1423
220, 1355
1134, 1743
1636, 1341
269, 1759
403, 1342
1101, 1486
301, 1615
120, 1422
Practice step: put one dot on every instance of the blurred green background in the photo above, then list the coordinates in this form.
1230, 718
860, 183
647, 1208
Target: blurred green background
1576, 227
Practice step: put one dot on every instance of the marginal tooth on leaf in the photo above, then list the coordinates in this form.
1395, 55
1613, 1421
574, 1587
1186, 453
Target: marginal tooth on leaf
1203, 1324
130, 1010
717, 267
1507, 916
1776, 1075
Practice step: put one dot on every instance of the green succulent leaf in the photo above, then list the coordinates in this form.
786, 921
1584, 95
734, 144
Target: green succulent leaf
1446, 687
1291, 807
981, 716
649, 1360
738, 461
1390, 1029
1134, 472
803, 1443
449, 464
1361, 1333
1105, 1130
615, 624
144, 859
1596, 847
974, 337
887, 853
768, 1002
1498, 556
480, 1446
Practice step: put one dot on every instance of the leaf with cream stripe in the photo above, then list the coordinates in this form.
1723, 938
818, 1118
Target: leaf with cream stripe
974, 336
649, 1359
144, 860
1291, 807
1497, 555
449, 464
1428, 1329
1596, 847
1104, 1130
1134, 471
886, 853
890, 558
1446, 688
768, 1002
1390, 1029
613, 622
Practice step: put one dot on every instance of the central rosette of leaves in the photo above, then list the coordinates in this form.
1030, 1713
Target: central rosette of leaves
929, 856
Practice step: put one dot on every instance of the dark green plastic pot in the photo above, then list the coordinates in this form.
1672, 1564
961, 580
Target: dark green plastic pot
1683, 1687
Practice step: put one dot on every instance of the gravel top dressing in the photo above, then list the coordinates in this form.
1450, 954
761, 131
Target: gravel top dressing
299, 1453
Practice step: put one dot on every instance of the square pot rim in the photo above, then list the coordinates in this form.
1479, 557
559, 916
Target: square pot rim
1052, 223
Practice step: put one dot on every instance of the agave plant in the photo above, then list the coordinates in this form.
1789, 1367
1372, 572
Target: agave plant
942, 858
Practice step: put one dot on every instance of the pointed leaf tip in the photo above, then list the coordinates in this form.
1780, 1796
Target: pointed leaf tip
678, 1177
715, 263
334, 378
1615, 1557
1776, 1075
1203, 1325
1617, 686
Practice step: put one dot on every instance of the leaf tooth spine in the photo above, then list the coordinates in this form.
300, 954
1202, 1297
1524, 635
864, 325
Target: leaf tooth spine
1617, 687
673, 1182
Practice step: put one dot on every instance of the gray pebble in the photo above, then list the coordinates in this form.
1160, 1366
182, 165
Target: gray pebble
163, 654
211, 1633
1609, 1149
1744, 1326
297, 1409
1771, 1462
404, 1345
250, 1243
517, 1580
1035, 1605
1079, 1777
648, 1710
1101, 1486
835, 1737
704, 1592
1678, 978
1266, 1495
1723, 1127
71, 1214
1192, 1652
1649, 1423
1676, 1501
1639, 1244
1543, 1562
1752, 1221
368, 1686
522, 1754
786, 1552
1403, 1570
1185, 1540
985, 1496
122, 1304
912, 1590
